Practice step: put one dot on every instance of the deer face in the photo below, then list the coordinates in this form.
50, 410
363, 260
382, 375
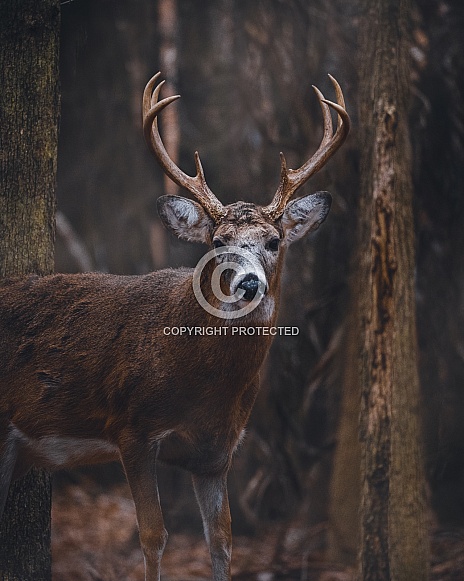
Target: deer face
245, 236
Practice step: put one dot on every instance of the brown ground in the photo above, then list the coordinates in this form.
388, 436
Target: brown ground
94, 538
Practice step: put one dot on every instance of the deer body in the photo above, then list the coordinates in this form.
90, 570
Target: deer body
88, 372
96, 365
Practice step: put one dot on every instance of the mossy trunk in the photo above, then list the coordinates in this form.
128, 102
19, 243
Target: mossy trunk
29, 110
394, 539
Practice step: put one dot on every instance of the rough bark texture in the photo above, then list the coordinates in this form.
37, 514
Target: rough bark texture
394, 535
29, 106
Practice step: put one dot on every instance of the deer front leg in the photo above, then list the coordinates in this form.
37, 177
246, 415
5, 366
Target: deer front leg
211, 493
139, 464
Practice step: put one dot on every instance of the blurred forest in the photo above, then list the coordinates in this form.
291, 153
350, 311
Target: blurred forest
244, 71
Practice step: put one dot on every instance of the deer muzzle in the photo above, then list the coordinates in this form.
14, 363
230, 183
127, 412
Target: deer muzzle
250, 285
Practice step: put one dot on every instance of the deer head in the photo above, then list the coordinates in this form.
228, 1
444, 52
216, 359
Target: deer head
250, 236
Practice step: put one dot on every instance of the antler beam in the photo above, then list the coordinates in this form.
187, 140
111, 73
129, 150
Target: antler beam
292, 179
196, 185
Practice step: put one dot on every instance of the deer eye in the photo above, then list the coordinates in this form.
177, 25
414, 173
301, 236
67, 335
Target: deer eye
217, 243
273, 244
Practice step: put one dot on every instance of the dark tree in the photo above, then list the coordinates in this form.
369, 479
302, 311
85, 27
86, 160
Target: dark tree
394, 538
29, 109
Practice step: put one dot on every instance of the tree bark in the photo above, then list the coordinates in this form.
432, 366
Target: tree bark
394, 543
29, 106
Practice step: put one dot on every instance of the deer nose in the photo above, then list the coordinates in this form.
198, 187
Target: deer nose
249, 284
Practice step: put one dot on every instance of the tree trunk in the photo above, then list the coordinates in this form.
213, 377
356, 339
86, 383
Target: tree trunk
394, 542
168, 57
29, 106
167, 24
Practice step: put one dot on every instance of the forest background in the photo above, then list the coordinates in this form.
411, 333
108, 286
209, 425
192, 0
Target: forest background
244, 71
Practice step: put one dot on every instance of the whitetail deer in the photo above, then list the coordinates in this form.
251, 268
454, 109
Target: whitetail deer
88, 373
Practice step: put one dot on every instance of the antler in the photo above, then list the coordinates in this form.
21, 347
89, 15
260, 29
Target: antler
292, 179
195, 185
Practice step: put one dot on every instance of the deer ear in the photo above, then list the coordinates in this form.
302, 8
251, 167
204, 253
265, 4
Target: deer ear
304, 215
185, 218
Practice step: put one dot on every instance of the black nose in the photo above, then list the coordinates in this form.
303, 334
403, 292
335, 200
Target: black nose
249, 284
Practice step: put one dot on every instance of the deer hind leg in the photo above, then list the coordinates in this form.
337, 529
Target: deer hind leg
211, 493
139, 463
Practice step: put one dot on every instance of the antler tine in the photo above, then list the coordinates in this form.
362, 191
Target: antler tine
340, 97
327, 117
196, 185
292, 179
147, 92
